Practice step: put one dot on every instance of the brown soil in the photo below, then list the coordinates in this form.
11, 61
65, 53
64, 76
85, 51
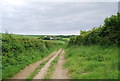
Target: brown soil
59, 72
42, 72
23, 74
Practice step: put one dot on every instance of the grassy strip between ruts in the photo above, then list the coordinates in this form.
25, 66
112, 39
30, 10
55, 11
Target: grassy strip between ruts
30, 77
51, 68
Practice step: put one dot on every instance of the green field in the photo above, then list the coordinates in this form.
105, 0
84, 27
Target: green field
58, 41
30, 36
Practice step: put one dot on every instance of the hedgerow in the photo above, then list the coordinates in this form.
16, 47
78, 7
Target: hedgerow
17, 52
106, 34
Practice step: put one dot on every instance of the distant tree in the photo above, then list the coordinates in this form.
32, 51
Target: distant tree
46, 38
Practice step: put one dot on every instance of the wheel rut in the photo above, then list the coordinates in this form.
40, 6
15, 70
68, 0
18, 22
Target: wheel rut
60, 72
23, 74
42, 71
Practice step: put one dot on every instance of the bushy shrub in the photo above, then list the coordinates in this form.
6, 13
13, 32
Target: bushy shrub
103, 35
17, 52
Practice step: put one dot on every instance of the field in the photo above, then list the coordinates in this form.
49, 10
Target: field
92, 62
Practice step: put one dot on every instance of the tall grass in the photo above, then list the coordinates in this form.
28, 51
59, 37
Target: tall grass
92, 62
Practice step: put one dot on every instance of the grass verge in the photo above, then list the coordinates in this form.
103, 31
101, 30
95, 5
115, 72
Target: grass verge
92, 62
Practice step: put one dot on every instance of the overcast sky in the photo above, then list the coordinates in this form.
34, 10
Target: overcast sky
64, 18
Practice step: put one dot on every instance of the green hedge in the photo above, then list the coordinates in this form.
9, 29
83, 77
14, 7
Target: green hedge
106, 34
17, 52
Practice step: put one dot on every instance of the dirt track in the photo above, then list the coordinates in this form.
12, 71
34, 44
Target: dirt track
23, 74
42, 72
59, 72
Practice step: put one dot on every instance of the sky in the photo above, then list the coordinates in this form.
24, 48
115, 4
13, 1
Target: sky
54, 18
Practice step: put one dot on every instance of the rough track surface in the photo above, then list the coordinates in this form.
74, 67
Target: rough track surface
59, 72
43, 70
23, 74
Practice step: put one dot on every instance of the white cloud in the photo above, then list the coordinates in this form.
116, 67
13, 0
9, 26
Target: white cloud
56, 18
64, 0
